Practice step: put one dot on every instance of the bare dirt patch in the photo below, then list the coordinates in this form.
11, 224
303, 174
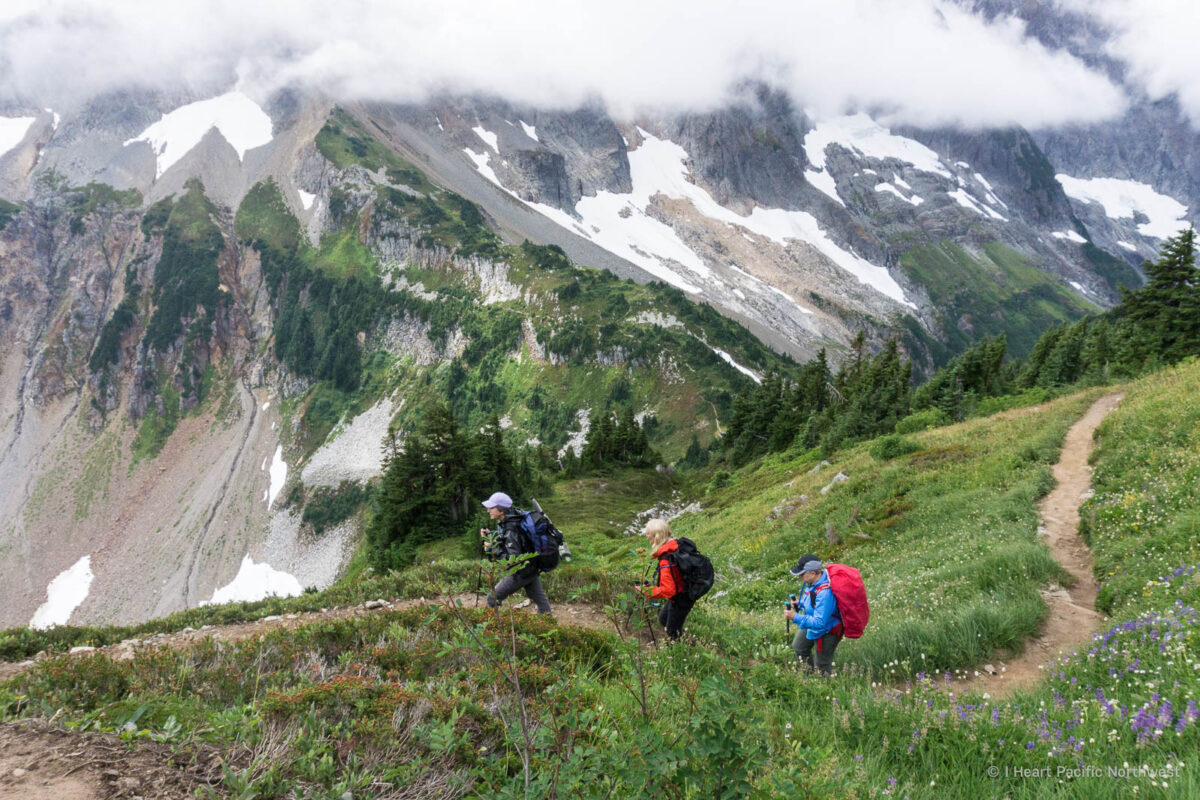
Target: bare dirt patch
38, 762
1072, 618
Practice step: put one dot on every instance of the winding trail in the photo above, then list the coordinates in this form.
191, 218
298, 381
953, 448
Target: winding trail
1072, 618
576, 614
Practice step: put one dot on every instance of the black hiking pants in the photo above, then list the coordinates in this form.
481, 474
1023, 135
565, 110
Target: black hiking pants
527, 579
806, 650
673, 613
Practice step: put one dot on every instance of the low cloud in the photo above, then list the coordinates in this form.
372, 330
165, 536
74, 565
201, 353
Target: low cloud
1157, 40
920, 62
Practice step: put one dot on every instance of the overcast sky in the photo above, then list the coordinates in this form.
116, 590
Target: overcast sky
912, 61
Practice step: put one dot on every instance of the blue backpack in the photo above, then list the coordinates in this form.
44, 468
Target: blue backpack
542, 538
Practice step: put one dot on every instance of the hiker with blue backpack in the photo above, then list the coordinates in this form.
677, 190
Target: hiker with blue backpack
833, 605
682, 576
520, 533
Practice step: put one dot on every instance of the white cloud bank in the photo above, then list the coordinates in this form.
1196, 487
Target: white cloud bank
1157, 40
924, 62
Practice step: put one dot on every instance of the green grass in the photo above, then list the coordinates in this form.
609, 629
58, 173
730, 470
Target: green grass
997, 291
8, 211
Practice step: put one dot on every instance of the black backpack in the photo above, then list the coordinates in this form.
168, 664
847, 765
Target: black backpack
694, 567
541, 537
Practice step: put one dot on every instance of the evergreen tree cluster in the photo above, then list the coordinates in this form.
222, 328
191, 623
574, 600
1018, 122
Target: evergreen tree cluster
614, 439
864, 398
433, 482
1155, 325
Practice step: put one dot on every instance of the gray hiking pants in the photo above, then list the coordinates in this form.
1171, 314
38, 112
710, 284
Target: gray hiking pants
806, 650
530, 582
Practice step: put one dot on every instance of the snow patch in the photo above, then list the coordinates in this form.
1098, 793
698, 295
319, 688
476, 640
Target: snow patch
749, 373
12, 131
278, 476
266, 405
903, 184
306, 199
967, 201
530, 130
863, 135
823, 181
256, 582
481, 163
1079, 287
489, 138
1069, 235
1121, 199
353, 452
240, 120
887, 187
1130, 247
57, 118
64, 594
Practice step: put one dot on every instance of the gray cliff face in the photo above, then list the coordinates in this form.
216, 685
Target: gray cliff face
1152, 142
753, 150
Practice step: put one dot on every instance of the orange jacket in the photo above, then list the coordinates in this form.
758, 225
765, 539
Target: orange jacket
667, 582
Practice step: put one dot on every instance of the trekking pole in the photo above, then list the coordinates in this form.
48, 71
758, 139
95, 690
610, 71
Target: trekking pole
478, 583
790, 605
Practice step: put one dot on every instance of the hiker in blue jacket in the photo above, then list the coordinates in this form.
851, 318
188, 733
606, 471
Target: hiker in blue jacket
815, 616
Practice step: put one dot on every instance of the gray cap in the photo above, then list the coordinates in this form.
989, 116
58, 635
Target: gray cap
807, 563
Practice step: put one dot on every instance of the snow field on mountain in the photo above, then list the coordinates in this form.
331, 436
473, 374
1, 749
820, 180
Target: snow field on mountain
64, 594
278, 473
12, 131
621, 222
1069, 235
489, 138
255, 582
749, 373
236, 117
530, 130
1121, 199
824, 182
967, 201
915, 200
860, 133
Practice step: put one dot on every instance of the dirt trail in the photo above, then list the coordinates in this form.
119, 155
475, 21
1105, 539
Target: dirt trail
566, 613
1072, 617
38, 762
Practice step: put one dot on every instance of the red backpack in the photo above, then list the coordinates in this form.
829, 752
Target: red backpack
851, 596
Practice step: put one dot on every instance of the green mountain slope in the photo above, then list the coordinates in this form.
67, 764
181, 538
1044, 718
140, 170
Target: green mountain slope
459, 703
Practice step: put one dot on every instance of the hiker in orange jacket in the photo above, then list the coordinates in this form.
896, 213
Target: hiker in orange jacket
668, 580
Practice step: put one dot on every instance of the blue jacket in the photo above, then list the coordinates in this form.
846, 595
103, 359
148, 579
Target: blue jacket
818, 608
